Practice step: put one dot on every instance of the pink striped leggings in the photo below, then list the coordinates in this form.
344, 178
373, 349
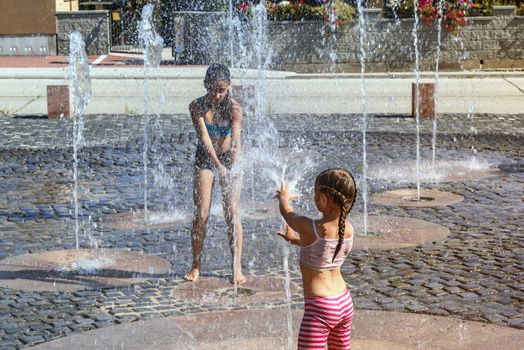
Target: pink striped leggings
326, 319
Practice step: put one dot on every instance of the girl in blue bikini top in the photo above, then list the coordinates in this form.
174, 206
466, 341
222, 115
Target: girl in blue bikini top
223, 114
217, 119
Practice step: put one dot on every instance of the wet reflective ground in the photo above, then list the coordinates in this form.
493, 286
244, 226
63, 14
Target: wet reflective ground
475, 274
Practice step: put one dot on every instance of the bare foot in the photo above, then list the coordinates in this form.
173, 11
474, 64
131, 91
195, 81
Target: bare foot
192, 275
240, 278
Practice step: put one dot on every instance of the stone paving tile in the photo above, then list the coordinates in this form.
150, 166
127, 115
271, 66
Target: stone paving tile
476, 273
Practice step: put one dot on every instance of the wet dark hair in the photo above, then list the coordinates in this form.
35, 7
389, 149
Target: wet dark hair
340, 186
217, 72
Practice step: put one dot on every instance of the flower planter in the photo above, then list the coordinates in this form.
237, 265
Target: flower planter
475, 12
504, 11
373, 13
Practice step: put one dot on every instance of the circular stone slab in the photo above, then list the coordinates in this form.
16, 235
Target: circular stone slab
512, 167
445, 171
135, 219
408, 197
72, 270
163, 219
391, 232
216, 291
266, 329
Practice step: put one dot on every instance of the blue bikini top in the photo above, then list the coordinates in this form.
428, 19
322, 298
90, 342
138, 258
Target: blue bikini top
218, 130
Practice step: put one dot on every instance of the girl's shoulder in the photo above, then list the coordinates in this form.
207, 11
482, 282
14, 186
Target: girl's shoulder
329, 230
350, 232
235, 105
197, 107
198, 103
308, 230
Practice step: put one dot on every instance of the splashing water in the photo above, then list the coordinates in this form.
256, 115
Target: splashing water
78, 75
362, 58
152, 45
230, 32
151, 42
86, 266
429, 172
261, 152
414, 34
163, 218
435, 97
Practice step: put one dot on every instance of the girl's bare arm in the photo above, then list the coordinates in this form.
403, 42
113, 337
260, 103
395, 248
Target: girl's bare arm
197, 118
289, 235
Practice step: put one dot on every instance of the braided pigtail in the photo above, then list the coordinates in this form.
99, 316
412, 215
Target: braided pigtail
341, 229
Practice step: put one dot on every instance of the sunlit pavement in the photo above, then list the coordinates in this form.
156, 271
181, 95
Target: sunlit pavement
475, 274
118, 88
373, 330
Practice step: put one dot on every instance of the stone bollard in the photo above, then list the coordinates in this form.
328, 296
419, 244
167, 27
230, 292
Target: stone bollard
426, 99
245, 95
59, 101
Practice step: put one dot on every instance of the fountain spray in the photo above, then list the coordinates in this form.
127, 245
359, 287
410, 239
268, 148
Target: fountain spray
78, 74
435, 97
362, 58
230, 33
414, 34
152, 45
267, 135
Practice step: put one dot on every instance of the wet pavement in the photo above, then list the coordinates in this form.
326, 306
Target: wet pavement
476, 273
373, 330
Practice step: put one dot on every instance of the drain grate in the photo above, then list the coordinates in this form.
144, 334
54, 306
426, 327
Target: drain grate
418, 199
512, 168
230, 292
370, 234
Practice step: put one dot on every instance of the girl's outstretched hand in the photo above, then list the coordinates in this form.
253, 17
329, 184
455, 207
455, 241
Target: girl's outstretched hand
283, 193
289, 235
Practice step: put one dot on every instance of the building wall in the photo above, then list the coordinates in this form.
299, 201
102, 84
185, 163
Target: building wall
27, 17
93, 25
307, 46
390, 45
66, 5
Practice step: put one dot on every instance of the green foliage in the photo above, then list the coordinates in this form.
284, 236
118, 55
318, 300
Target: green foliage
288, 11
305, 10
399, 8
485, 7
201, 5
345, 12
453, 12
404, 8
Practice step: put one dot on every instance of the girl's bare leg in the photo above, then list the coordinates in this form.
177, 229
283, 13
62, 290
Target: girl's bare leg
230, 201
202, 190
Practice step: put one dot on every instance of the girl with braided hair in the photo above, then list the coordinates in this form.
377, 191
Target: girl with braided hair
324, 244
